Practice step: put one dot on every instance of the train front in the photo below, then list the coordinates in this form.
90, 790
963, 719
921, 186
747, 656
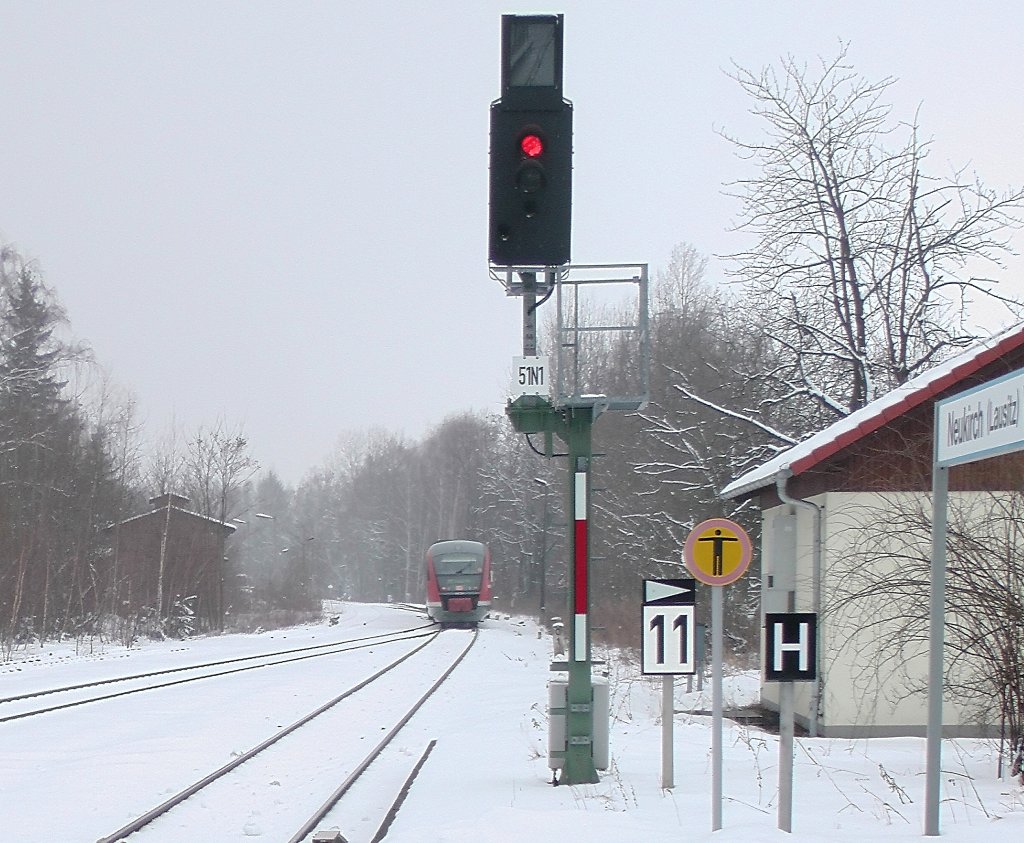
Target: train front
458, 582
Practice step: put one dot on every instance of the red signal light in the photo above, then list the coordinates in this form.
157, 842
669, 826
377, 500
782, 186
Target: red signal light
531, 145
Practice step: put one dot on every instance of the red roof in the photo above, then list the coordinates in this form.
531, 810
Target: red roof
843, 433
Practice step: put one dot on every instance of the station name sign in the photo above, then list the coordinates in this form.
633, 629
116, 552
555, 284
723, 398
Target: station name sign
981, 422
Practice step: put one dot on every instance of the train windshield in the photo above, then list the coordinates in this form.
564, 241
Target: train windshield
454, 564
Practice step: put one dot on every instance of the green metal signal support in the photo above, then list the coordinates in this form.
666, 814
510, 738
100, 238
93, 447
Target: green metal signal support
574, 426
569, 414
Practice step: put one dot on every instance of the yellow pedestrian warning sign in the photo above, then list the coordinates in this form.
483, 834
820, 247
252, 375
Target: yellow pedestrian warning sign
717, 551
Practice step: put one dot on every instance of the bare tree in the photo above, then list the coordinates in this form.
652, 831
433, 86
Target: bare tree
665, 464
163, 472
861, 263
217, 463
880, 594
122, 429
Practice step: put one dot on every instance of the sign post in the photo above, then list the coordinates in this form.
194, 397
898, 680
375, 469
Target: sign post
667, 648
972, 425
717, 552
790, 656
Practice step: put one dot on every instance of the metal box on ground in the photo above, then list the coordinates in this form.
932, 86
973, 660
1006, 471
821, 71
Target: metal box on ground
556, 722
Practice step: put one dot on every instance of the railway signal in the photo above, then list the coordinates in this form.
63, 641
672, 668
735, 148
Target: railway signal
531, 148
530, 215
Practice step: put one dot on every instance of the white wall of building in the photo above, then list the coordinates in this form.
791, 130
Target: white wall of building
872, 675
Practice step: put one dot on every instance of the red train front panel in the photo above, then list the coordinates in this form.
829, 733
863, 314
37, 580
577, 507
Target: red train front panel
458, 582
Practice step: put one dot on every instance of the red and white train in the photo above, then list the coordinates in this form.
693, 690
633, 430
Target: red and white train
458, 582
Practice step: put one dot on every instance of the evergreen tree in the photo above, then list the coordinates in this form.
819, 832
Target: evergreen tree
37, 439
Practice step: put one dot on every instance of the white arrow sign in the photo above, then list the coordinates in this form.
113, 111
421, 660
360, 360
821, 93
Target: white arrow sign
656, 590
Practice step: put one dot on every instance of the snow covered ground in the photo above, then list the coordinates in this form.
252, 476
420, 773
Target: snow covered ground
79, 774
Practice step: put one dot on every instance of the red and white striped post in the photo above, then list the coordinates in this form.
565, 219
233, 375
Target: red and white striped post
579, 719
581, 596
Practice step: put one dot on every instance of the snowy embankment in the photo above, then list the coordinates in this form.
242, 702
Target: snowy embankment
79, 774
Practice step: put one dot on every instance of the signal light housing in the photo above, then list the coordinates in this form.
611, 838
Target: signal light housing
530, 185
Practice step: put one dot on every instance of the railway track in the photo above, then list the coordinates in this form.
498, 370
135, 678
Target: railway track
15, 708
415, 608
267, 791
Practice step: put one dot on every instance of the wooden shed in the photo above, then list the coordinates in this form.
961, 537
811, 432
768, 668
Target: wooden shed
181, 548
845, 516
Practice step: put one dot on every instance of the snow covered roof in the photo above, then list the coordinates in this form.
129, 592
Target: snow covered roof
825, 443
163, 510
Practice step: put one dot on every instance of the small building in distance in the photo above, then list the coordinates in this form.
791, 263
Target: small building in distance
183, 548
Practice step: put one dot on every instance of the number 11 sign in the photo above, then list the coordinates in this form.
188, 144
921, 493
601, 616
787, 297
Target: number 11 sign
669, 628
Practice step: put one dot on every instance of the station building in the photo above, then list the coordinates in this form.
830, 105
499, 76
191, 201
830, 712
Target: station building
846, 532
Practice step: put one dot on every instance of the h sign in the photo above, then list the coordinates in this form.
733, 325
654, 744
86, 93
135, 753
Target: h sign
790, 646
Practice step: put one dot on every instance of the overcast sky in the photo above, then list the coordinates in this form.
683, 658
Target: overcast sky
275, 213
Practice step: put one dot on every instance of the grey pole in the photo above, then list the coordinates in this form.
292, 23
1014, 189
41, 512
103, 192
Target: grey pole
933, 737
701, 656
668, 706
786, 756
529, 280
716, 708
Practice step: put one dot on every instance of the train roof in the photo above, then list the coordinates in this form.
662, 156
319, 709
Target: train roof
456, 545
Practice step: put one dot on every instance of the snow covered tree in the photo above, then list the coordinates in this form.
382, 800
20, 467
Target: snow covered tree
520, 512
255, 548
30, 360
41, 448
664, 465
217, 462
861, 263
